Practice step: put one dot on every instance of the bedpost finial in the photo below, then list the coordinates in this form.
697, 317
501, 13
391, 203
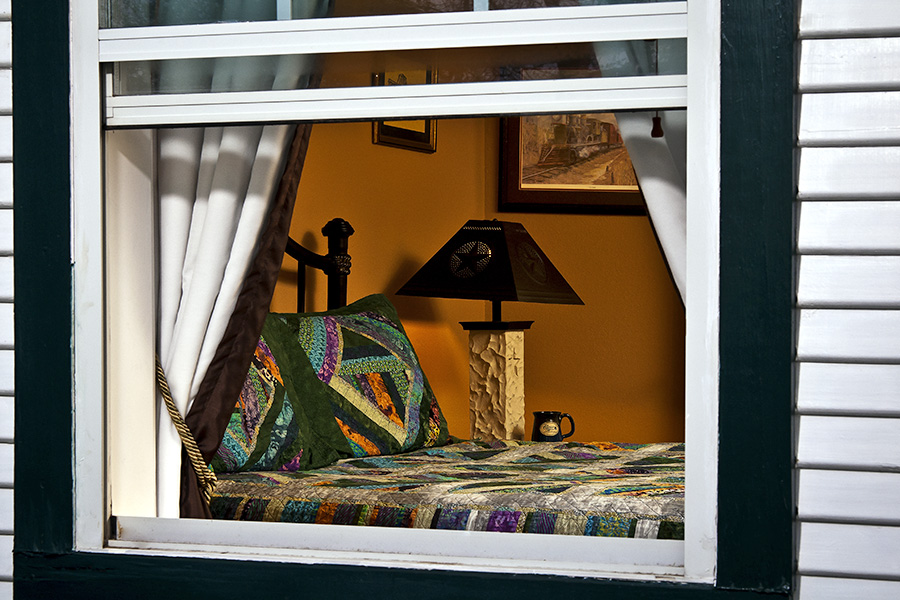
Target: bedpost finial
337, 227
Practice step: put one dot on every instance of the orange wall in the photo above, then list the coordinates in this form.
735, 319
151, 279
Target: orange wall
616, 364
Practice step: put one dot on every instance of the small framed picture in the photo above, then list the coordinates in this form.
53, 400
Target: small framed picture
566, 164
420, 134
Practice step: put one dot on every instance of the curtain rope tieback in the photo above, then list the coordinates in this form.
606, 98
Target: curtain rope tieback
205, 477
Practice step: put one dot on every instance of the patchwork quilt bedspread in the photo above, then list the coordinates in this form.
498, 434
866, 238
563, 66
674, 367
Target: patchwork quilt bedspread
595, 489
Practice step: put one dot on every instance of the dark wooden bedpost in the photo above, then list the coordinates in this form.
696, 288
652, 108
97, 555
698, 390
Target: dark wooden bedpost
301, 284
338, 232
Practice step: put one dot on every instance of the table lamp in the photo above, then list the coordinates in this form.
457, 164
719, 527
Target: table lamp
497, 261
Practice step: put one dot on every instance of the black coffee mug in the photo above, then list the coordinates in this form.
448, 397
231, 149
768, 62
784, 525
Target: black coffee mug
547, 426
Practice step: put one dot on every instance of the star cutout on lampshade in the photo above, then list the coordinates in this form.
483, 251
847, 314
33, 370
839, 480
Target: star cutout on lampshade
470, 259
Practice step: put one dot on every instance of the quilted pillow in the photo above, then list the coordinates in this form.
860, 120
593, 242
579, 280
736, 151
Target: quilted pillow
343, 383
269, 428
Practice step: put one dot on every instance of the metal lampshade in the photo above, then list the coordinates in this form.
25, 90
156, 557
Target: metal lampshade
491, 260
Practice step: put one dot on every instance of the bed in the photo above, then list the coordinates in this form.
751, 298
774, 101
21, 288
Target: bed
337, 424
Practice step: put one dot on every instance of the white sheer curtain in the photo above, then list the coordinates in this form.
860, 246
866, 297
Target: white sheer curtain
660, 163
215, 186
660, 172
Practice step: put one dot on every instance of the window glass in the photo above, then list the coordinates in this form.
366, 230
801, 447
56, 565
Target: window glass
143, 13
459, 65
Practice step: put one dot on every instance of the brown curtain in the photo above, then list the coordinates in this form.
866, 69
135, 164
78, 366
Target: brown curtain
221, 387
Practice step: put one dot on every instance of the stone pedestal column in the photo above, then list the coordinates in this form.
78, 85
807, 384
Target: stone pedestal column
497, 381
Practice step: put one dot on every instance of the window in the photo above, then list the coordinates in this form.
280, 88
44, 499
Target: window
694, 559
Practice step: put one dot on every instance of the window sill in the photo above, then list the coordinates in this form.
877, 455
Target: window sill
620, 558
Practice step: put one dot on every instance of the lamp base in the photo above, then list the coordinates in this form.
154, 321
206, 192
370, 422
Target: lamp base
497, 382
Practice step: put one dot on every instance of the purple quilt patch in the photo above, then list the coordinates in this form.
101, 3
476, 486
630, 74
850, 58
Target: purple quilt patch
503, 520
451, 518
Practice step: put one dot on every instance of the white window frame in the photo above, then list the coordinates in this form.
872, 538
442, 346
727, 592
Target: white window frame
403, 32
692, 560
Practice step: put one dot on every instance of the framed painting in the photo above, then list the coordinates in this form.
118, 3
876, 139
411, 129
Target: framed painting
566, 164
419, 135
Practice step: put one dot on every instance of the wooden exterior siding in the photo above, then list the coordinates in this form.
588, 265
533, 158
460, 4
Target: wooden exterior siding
848, 296
7, 415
